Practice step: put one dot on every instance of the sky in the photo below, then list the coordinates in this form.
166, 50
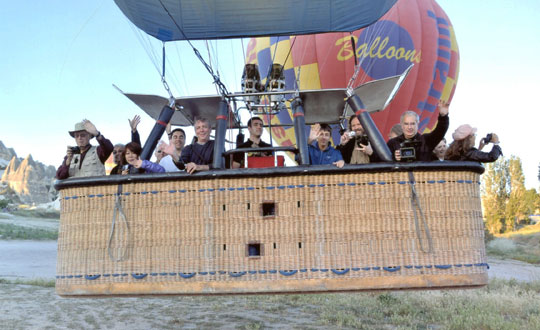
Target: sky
60, 59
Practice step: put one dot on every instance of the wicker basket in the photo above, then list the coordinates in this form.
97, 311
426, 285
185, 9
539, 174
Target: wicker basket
315, 232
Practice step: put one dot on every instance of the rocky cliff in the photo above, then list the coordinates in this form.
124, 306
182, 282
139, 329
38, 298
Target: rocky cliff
30, 180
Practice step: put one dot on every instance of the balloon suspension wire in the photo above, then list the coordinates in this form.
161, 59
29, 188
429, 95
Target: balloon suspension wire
297, 78
370, 36
267, 83
210, 61
222, 89
185, 84
164, 81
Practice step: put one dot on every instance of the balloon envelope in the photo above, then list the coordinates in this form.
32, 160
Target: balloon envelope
412, 32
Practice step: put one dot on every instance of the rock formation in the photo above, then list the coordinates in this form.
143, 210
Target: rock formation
30, 180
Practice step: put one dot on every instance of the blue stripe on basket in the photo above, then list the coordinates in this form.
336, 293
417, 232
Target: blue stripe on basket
341, 184
443, 266
392, 269
91, 277
237, 274
288, 272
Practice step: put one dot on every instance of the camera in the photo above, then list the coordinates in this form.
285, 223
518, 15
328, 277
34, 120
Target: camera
180, 165
407, 149
362, 139
488, 138
351, 134
75, 150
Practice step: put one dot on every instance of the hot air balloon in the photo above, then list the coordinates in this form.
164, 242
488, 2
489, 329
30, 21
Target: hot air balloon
307, 228
412, 32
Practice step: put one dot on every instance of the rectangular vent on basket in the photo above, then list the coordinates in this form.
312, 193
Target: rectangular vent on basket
275, 246
268, 209
254, 249
224, 207
224, 247
299, 245
249, 206
298, 204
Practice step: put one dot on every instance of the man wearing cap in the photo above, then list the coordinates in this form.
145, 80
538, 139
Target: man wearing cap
425, 143
85, 159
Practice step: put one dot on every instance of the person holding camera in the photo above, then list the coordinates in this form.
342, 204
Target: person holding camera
85, 159
463, 146
354, 145
412, 146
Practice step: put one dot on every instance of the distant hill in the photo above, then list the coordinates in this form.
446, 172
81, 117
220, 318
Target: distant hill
25, 180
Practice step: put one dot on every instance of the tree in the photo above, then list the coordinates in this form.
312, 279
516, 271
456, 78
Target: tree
516, 208
532, 202
495, 194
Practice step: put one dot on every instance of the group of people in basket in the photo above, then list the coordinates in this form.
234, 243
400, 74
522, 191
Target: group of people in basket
354, 148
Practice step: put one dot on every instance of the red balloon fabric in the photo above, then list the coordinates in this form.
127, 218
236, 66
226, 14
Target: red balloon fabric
412, 32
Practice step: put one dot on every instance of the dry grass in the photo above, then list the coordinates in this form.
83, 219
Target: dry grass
11, 231
523, 245
501, 305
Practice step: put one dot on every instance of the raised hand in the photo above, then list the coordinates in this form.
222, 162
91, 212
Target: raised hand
134, 122
443, 107
90, 128
314, 133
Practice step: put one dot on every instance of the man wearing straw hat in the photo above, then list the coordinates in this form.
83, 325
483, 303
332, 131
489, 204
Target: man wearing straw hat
85, 159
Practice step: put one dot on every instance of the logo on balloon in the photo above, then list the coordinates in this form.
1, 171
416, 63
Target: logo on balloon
380, 48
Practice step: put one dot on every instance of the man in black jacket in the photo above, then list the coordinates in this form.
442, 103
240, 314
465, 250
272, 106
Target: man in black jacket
423, 144
353, 148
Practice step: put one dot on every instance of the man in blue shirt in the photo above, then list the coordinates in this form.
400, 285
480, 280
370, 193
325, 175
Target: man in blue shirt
321, 152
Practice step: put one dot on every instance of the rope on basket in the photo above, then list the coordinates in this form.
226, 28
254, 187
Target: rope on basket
118, 212
415, 203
